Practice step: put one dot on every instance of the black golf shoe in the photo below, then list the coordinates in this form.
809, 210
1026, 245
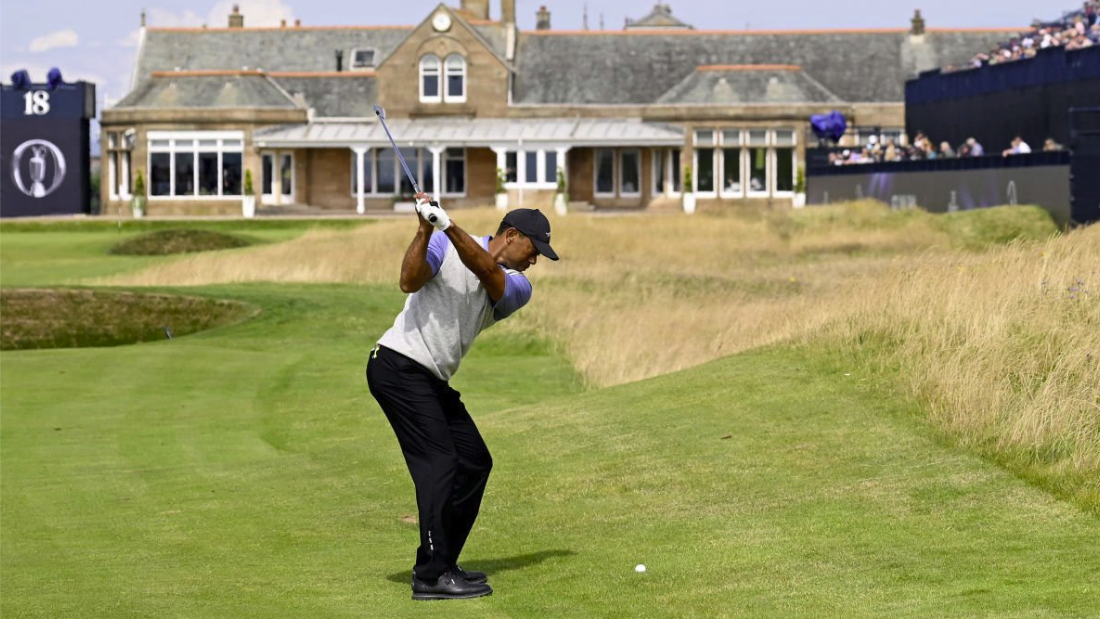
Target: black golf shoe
449, 586
470, 576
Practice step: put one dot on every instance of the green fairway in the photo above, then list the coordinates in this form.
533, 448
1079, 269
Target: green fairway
245, 472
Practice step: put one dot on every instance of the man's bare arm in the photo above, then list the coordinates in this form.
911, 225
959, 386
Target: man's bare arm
415, 270
480, 262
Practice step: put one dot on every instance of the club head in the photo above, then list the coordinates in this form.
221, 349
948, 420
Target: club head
381, 113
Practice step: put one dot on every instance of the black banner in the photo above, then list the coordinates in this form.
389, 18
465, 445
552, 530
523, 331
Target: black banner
44, 150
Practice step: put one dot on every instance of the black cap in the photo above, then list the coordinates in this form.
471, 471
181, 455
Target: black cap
535, 226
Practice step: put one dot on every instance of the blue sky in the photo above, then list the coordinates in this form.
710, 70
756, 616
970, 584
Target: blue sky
96, 40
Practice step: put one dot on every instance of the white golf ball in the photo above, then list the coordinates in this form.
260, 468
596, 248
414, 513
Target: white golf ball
639, 568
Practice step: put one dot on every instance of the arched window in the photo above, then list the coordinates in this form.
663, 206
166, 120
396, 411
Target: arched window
429, 79
455, 69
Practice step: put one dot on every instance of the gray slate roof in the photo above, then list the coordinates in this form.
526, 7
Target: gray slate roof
341, 97
188, 91
739, 87
270, 49
475, 132
640, 66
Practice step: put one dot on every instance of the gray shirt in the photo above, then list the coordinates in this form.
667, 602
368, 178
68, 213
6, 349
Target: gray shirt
441, 320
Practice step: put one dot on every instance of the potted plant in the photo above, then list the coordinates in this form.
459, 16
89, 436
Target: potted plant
248, 203
799, 199
561, 198
689, 195
502, 191
137, 201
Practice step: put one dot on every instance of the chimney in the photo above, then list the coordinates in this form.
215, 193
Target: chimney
282, 23
917, 24
236, 20
477, 9
339, 60
297, 23
508, 11
542, 19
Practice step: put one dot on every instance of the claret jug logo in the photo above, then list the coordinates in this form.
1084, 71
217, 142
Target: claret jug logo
37, 167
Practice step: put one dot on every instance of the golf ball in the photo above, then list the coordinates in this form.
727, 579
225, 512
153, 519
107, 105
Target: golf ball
639, 568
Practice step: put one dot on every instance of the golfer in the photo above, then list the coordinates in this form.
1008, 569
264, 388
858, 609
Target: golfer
460, 284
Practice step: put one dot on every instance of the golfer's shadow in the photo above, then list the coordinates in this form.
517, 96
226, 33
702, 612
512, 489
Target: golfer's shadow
494, 566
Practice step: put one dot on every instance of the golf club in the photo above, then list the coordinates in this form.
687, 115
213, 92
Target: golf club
381, 113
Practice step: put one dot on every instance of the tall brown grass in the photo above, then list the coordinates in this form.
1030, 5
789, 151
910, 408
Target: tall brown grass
1001, 343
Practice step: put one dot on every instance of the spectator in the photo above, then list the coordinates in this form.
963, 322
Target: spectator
946, 150
1050, 145
1019, 147
976, 149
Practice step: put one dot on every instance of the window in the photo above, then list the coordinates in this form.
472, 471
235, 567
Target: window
675, 174
362, 59
286, 174
429, 79
206, 164
784, 169
758, 170
455, 67
704, 170
381, 172
704, 137
605, 171
112, 175
387, 170
454, 171
630, 172
731, 171
531, 167
511, 167
550, 168
266, 174
124, 176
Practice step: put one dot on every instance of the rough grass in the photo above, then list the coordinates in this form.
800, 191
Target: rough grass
177, 241
38, 318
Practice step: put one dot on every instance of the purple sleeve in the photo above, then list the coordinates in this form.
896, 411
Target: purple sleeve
437, 249
517, 292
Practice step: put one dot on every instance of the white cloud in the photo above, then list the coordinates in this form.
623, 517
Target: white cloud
163, 18
54, 40
256, 13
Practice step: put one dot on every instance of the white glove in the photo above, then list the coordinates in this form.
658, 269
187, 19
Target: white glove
433, 214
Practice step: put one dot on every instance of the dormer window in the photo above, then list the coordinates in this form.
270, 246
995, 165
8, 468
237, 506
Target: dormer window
362, 59
455, 68
429, 79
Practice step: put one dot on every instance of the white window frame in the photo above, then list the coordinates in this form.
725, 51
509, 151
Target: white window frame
540, 181
658, 159
438, 98
619, 167
596, 173
774, 157
442, 172
221, 137
447, 74
696, 145
424, 157
768, 163
738, 143
369, 67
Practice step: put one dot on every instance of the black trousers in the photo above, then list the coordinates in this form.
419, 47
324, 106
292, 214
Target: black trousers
446, 456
